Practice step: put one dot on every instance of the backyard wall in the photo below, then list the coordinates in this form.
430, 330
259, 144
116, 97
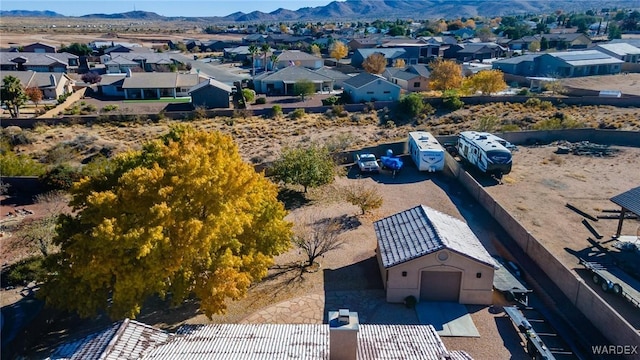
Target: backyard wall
581, 295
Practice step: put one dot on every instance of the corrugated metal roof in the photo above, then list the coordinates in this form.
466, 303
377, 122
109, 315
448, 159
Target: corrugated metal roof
245, 341
407, 342
586, 57
621, 49
126, 339
629, 200
420, 231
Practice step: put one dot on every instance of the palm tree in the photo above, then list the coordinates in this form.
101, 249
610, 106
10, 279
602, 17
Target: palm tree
264, 49
253, 50
273, 58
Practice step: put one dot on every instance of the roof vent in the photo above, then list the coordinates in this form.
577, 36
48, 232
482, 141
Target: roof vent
343, 316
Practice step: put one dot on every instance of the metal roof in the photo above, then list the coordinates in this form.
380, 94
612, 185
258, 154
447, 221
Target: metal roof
585, 57
517, 59
420, 231
126, 339
299, 341
621, 49
629, 200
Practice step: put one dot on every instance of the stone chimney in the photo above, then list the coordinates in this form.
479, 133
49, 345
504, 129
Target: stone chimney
343, 335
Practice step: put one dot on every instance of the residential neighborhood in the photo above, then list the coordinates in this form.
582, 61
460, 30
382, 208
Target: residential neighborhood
178, 187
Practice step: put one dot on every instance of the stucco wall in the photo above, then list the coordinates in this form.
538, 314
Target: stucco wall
473, 290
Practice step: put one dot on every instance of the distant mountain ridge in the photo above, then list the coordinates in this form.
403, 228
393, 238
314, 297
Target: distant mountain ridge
351, 10
29, 13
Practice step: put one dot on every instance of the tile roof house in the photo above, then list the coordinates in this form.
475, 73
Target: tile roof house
366, 87
39, 47
52, 84
432, 256
146, 61
343, 338
282, 81
410, 78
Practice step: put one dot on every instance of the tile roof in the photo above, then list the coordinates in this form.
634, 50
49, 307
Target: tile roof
149, 58
420, 231
159, 80
30, 78
126, 339
629, 200
336, 75
35, 59
419, 69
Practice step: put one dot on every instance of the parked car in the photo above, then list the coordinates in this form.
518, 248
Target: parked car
367, 163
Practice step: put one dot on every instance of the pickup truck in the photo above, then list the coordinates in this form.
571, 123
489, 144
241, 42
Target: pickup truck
367, 163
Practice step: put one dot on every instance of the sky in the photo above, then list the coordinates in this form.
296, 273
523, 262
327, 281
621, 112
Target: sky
161, 7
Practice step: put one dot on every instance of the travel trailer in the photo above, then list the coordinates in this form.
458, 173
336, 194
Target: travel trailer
426, 151
484, 151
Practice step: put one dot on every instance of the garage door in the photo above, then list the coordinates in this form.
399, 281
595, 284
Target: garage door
440, 285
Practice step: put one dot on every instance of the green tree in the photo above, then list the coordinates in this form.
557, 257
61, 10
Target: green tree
307, 166
544, 44
412, 104
304, 88
264, 49
183, 216
13, 95
77, 49
253, 50
19, 165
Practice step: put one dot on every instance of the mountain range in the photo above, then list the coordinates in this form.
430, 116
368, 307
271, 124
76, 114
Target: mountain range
350, 10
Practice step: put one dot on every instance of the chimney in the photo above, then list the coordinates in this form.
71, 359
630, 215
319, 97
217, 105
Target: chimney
52, 80
343, 335
129, 72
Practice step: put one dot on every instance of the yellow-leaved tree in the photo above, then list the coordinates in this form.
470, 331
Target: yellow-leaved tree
338, 50
445, 75
486, 81
375, 63
183, 216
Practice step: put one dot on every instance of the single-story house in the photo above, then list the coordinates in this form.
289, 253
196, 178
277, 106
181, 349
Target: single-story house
433, 257
52, 84
625, 52
298, 58
475, 51
337, 76
111, 85
366, 87
410, 55
121, 62
210, 94
39, 47
411, 78
344, 337
523, 65
281, 82
142, 85
40, 62
577, 63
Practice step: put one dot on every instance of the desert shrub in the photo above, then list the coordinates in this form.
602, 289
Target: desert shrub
242, 113
332, 100
451, 100
524, 92
297, 113
557, 122
59, 154
13, 136
249, 95
390, 124
24, 272
546, 105
364, 197
532, 102
110, 107
199, 113
338, 110
488, 123
261, 100
90, 108
60, 177
276, 110
339, 142
12, 164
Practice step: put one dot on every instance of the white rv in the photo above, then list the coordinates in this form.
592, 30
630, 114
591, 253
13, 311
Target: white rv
485, 151
426, 151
